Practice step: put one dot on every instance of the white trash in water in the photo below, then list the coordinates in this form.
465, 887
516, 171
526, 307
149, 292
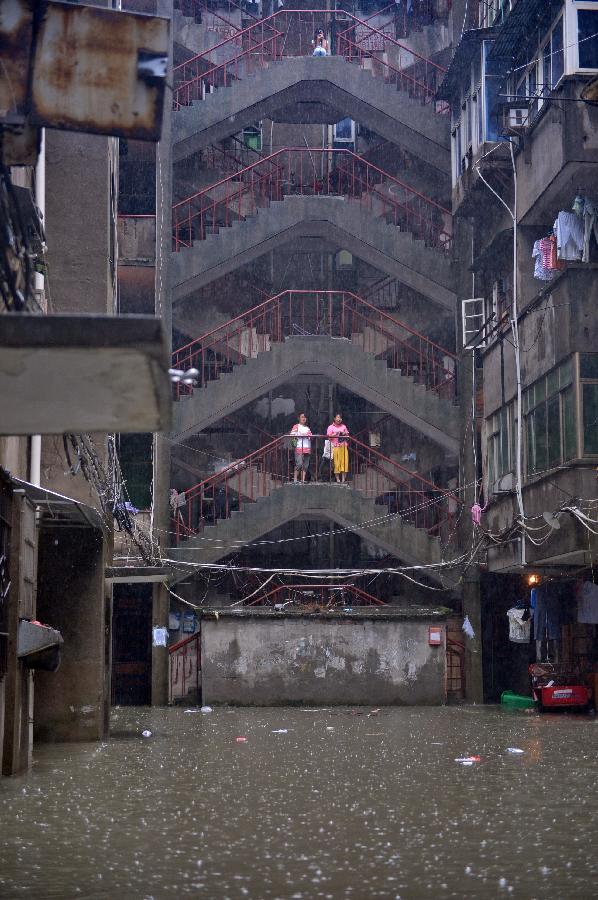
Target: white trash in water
206, 709
280, 731
514, 750
146, 734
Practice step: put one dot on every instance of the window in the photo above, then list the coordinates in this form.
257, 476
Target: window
549, 410
345, 131
475, 118
588, 374
556, 49
135, 456
493, 12
587, 38
535, 84
501, 443
252, 137
491, 86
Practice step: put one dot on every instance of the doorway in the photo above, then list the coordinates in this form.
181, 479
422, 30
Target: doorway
132, 645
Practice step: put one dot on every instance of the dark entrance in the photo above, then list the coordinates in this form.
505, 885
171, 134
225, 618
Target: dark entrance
132, 645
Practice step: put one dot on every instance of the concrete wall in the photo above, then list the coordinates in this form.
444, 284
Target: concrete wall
270, 659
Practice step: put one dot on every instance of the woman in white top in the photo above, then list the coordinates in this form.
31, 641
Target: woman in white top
302, 442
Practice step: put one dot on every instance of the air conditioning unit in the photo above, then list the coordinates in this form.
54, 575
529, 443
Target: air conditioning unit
515, 118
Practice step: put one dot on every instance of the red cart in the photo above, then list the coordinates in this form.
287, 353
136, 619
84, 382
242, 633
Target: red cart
556, 686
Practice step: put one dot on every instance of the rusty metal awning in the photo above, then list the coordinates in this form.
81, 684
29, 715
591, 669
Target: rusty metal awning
83, 373
56, 509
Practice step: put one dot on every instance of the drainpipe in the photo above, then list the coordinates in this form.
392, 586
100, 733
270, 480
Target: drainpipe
515, 331
35, 461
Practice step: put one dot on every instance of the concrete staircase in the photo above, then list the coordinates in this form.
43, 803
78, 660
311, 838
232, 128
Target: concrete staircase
320, 89
345, 506
336, 358
347, 222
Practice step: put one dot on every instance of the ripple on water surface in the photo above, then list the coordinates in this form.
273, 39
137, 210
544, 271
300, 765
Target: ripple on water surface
330, 803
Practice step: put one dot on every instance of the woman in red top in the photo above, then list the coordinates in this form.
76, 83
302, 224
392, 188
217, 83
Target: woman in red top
337, 433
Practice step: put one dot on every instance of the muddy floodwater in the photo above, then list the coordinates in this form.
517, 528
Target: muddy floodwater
313, 804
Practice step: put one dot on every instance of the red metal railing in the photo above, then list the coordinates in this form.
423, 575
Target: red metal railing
229, 159
386, 57
310, 172
250, 49
288, 33
322, 595
185, 668
398, 490
332, 313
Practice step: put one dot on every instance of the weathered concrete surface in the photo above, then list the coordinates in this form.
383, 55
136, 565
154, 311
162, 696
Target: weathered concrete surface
265, 658
349, 508
335, 358
350, 224
344, 88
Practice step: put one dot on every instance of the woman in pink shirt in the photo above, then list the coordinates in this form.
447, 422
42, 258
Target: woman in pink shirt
338, 434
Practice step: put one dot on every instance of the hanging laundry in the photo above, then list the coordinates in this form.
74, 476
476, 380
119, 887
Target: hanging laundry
519, 625
476, 514
542, 272
569, 231
467, 627
555, 262
587, 604
548, 611
590, 224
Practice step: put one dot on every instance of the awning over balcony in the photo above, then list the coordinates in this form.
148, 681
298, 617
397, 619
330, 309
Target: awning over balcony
521, 25
461, 61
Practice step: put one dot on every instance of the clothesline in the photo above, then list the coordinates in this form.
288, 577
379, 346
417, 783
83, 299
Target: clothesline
570, 240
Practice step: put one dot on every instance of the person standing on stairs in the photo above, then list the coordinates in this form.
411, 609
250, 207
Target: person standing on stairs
301, 434
338, 434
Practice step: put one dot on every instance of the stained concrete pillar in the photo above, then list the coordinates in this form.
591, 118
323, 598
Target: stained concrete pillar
161, 487
18, 684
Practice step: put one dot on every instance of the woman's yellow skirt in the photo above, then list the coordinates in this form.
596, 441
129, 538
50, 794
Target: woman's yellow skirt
340, 458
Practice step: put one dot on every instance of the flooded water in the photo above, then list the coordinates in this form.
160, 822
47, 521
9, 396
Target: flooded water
340, 805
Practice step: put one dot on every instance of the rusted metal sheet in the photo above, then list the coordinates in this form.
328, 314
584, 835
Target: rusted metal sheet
16, 37
99, 70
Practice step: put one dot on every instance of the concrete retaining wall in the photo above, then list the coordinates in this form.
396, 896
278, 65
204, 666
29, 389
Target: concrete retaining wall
265, 658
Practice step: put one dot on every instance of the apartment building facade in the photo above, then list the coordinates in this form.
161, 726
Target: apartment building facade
523, 128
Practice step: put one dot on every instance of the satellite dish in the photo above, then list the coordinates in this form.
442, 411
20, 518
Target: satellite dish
551, 520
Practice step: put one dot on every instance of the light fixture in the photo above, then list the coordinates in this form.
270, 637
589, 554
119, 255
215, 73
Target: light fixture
533, 580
